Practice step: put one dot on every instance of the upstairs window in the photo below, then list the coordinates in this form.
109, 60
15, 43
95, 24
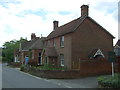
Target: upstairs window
48, 44
62, 41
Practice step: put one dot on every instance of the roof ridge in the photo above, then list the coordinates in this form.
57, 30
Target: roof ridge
68, 22
62, 31
82, 19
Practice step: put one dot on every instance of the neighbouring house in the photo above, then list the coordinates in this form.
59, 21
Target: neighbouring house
80, 39
117, 48
30, 51
117, 53
16, 55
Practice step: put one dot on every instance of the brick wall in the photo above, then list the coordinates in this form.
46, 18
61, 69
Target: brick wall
56, 74
94, 67
117, 65
87, 68
87, 37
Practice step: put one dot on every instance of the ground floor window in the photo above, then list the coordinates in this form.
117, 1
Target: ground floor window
62, 59
39, 59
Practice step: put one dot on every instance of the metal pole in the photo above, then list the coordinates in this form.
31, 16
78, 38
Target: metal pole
112, 69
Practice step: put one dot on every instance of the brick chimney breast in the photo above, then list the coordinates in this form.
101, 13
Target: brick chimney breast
55, 24
84, 10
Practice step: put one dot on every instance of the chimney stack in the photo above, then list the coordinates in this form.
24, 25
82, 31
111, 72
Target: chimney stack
55, 24
84, 10
33, 36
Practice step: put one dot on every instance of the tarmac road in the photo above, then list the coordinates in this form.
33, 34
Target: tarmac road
13, 78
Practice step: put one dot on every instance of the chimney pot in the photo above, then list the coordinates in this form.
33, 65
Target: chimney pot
84, 10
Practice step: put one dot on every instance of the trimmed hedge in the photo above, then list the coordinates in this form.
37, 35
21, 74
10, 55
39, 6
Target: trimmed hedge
109, 81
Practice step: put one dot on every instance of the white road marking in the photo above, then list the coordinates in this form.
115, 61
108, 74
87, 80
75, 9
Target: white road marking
68, 86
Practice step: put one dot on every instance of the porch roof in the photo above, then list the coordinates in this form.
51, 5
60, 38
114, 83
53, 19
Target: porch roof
50, 51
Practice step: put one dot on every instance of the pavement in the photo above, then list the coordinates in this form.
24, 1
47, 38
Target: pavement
86, 82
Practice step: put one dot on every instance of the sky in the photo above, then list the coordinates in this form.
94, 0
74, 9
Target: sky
20, 18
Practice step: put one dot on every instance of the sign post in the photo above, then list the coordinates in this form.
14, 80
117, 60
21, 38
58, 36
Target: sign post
111, 58
112, 69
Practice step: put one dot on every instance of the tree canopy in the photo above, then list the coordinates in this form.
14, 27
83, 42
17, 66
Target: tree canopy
9, 48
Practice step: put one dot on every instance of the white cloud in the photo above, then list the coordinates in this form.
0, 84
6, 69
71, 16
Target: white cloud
13, 27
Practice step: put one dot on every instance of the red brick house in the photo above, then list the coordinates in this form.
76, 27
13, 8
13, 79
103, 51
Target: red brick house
117, 48
80, 39
32, 49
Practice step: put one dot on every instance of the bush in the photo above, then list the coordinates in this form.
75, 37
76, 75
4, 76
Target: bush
113, 82
22, 67
25, 68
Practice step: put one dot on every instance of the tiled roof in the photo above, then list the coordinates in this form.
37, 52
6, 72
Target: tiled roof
39, 44
28, 45
71, 27
23, 44
36, 43
50, 51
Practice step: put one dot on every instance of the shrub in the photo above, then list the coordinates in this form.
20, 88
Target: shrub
113, 82
32, 63
22, 67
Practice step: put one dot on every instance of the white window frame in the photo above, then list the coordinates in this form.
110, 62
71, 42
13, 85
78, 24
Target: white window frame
62, 60
62, 40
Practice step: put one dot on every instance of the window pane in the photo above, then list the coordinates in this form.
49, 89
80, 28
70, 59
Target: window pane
62, 59
62, 41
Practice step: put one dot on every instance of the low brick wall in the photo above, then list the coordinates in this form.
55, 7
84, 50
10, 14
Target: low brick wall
15, 64
94, 67
87, 68
55, 74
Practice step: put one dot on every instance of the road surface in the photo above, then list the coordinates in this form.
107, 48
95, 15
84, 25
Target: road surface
13, 78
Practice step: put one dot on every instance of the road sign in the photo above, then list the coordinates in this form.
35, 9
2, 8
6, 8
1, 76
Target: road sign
111, 56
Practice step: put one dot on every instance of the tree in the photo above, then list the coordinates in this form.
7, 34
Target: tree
9, 48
